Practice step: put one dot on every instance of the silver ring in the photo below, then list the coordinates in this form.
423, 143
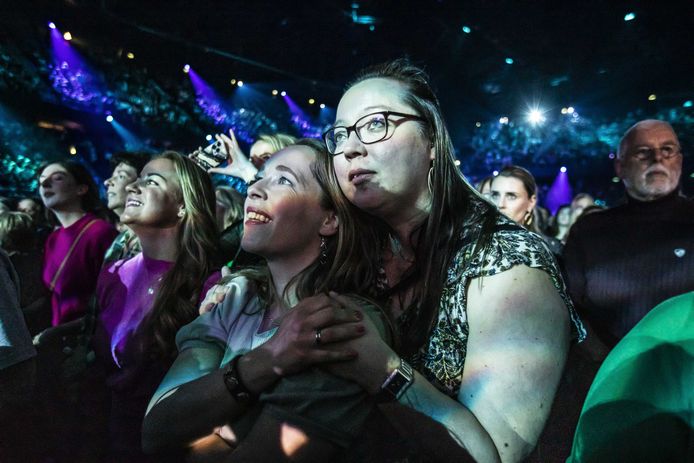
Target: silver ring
317, 339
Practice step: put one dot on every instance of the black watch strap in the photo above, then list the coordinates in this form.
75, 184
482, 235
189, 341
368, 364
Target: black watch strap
234, 385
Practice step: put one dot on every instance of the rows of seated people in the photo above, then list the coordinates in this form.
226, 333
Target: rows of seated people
362, 302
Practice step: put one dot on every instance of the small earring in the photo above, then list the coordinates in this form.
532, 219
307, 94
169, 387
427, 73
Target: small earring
323, 259
181, 213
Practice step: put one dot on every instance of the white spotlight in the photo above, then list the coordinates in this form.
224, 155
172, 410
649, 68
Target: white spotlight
536, 117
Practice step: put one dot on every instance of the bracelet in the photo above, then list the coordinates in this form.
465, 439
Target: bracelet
233, 383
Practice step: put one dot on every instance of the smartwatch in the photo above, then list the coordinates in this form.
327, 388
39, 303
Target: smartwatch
398, 381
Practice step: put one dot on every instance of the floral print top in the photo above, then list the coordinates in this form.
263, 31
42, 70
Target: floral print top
442, 358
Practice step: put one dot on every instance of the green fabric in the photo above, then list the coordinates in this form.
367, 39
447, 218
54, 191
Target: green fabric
641, 404
323, 404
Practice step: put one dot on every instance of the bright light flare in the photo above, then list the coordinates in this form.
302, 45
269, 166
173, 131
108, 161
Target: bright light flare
630, 16
283, 93
130, 55
51, 25
239, 83
186, 68
503, 120
311, 101
466, 29
109, 118
562, 169
67, 36
536, 117
322, 106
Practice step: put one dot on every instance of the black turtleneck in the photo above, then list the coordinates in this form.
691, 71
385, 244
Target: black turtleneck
622, 262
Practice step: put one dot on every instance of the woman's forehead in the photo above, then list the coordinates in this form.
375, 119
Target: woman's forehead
52, 169
372, 94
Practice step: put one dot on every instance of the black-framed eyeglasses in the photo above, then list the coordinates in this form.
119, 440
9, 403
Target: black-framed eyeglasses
645, 153
371, 128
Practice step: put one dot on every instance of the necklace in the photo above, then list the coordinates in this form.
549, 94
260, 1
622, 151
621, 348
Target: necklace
397, 249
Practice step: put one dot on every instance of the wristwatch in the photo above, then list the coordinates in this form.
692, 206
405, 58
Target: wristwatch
398, 381
234, 385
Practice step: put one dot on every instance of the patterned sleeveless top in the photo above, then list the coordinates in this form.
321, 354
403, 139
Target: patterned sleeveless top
442, 359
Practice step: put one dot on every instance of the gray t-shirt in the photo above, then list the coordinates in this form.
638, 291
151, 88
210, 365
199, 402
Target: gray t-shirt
320, 403
15, 341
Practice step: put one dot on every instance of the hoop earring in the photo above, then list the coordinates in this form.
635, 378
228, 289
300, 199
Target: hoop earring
429, 177
323, 259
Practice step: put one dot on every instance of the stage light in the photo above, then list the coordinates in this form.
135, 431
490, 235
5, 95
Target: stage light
615, 179
232, 81
570, 110
372, 28
311, 101
687, 104
73, 150
535, 117
456, 162
503, 120
274, 93
186, 68
239, 83
564, 110
478, 124
466, 29
691, 175
630, 16
109, 118
51, 25
208, 137
322, 106
67, 36
651, 97
611, 156
495, 173
283, 93
130, 55
562, 169
509, 60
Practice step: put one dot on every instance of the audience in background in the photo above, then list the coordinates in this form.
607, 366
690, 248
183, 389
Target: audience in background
579, 203
267, 145
20, 240
560, 223
485, 187
17, 368
623, 261
229, 213
514, 191
126, 167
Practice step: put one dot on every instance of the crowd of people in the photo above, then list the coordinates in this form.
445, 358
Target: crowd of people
362, 301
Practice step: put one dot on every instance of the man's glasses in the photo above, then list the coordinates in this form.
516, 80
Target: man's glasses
371, 128
645, 153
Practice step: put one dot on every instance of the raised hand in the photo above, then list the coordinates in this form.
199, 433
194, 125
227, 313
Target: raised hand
238, 165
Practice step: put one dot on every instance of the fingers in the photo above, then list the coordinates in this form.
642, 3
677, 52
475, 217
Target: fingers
342, 332
331, 315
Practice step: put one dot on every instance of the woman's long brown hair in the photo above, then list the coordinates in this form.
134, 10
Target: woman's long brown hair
176, 302
459, 215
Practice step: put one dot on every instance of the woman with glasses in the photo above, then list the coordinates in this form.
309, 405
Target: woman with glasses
480, 306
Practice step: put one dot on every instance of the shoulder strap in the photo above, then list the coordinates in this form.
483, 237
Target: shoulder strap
69, 253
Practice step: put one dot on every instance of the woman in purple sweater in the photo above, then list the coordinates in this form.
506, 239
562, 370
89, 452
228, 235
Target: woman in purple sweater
145, 300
